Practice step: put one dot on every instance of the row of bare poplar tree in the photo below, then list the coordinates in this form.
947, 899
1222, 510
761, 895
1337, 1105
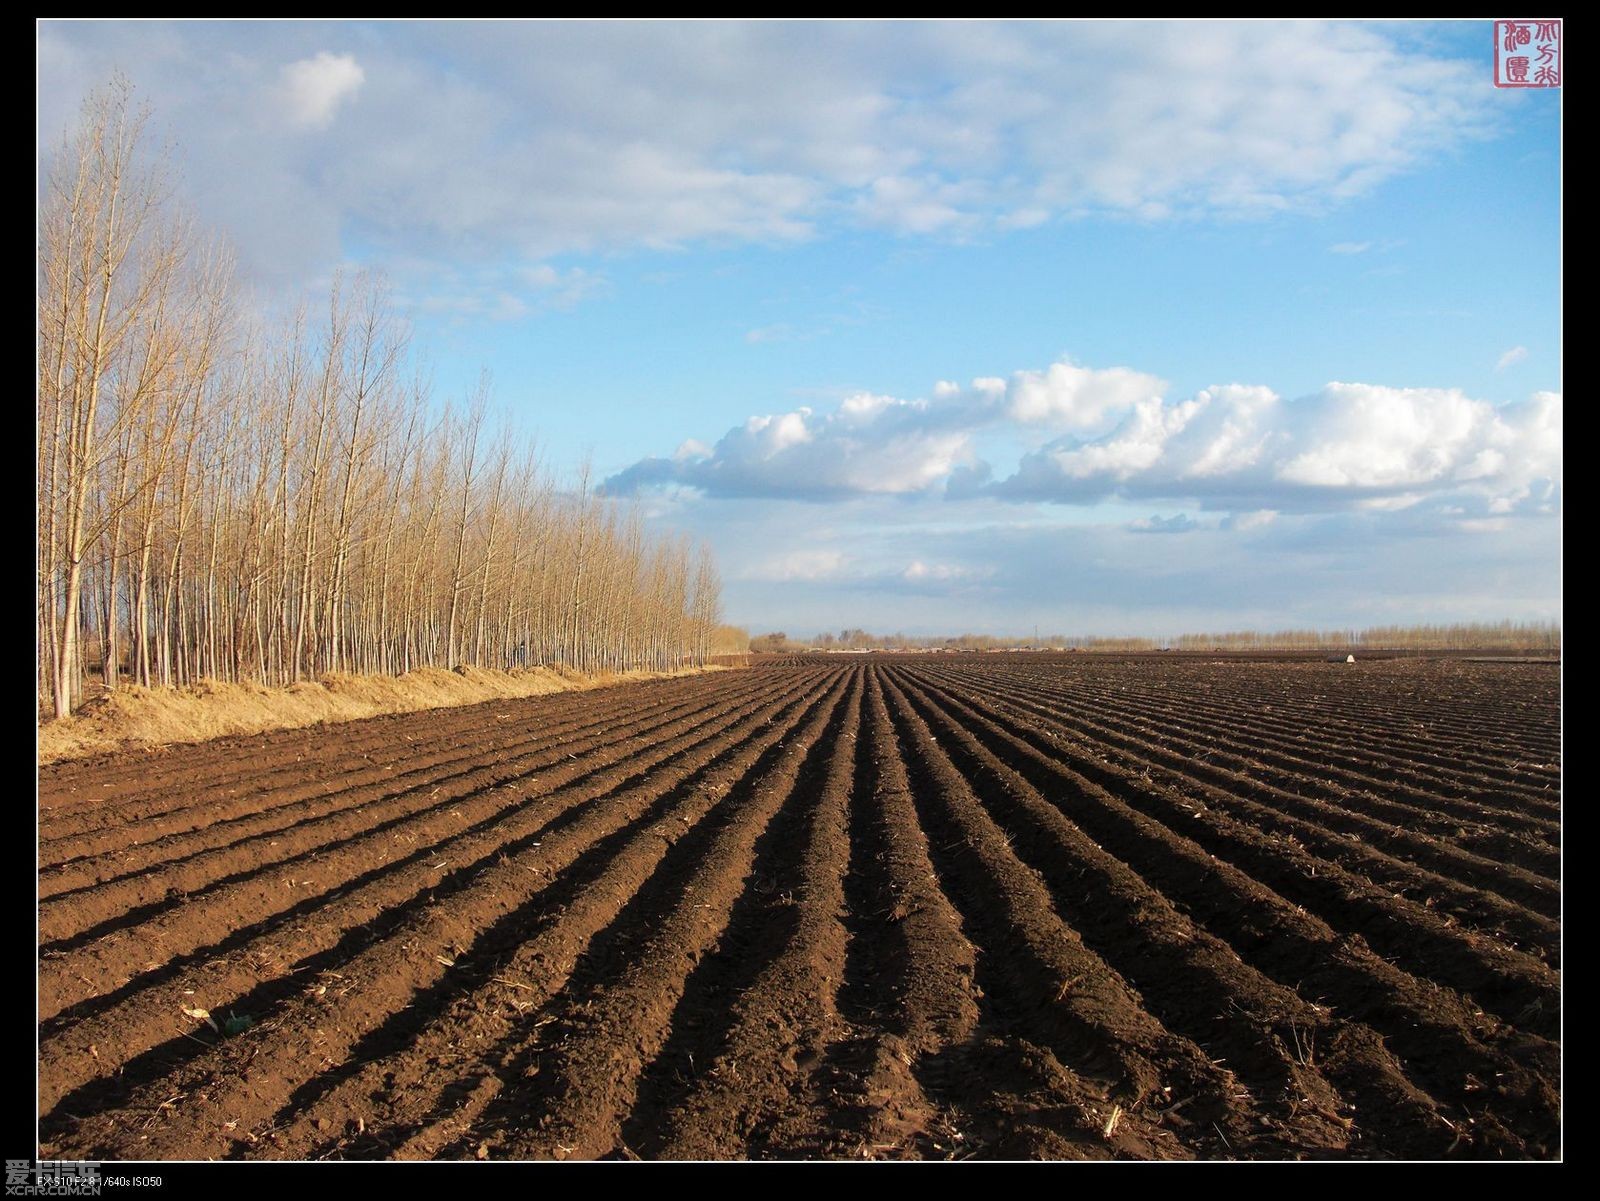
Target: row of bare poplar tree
219, 498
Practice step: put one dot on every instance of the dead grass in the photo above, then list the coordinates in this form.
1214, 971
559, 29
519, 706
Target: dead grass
134, 718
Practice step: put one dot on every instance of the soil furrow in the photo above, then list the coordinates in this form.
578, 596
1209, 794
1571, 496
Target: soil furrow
758, 1014
1442, 815
1516, 986
1424, 1024
1198, 986
932, 906
253, 965
1537, 893
616, 1009
1279, 812
356, 811
1303, 726
248, 1079
1035, 968
401, 767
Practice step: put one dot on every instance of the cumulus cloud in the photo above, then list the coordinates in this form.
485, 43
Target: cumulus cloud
1136, 446
869, 445
1110, 433
876, 444
1077, 397
691, 449
1349, 443
1362, 436
315, 87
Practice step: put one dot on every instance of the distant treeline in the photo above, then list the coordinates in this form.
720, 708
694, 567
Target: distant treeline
1498, 636
860, 640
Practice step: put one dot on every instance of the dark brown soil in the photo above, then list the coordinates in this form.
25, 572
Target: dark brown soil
931, 907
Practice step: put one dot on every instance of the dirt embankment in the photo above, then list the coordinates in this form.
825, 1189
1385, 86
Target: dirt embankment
134, 718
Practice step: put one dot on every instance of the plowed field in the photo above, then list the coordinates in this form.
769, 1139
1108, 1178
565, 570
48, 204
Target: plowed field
918, 907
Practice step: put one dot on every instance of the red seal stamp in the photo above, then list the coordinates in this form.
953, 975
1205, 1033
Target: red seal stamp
1527, 54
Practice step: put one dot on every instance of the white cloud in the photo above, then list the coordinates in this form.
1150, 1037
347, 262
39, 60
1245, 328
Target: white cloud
690, 449
1077, 397
1348, 444
1511, 358
1230, 431
913, 206
1350, 247
1234, 446
1398, 503
1371, 437
1136, 446
539, 139
315, 87
874, 443
774, 435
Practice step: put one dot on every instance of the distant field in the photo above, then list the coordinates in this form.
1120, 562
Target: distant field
1068, 905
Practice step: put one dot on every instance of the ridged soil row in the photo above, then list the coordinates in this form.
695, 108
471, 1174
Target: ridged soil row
251, 762
253, 966
1517, 986
757, 1015
1198, 986
178, 807
1039, 976
1437, 712
411, 1087
1304, 721
1315, 824
1372, 770
907, 992
327, 827
1293, 794
1469, 709
614, 1012
1493, 828
228, 1098
111, 852
132, 786
106, 956
1447, 1044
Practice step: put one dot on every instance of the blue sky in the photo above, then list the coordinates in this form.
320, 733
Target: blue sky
1100, 327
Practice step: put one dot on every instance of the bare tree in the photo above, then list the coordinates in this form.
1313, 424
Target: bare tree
271, 501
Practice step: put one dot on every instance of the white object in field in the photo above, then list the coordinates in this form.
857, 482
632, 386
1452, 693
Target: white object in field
1349, 658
